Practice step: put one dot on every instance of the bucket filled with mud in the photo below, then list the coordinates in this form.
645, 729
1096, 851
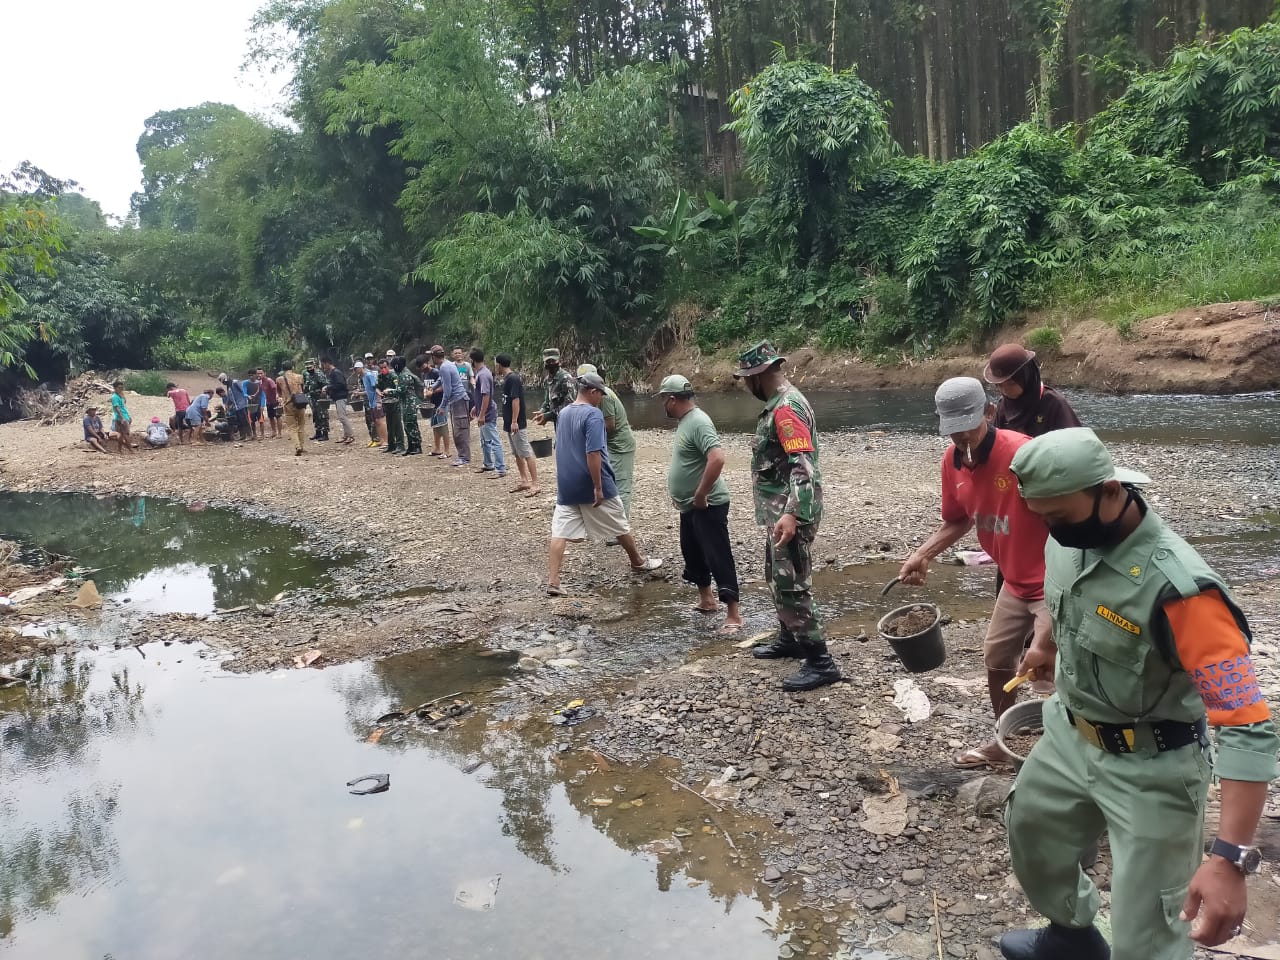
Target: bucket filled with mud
1019, 729
915, 634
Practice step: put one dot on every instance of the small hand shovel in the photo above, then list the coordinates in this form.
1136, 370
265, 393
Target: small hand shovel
890, 585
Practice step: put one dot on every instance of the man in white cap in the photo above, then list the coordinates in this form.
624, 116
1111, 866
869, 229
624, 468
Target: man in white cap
587, 502
700, 494
622, 442
1149, 650
979, 491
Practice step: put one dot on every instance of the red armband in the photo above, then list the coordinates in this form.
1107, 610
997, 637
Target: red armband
793, 432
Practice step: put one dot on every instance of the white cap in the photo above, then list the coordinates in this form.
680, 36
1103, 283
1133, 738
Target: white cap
360, 364
391, 353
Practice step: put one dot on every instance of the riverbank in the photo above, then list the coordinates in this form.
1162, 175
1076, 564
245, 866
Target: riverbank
1219, 348
876, 821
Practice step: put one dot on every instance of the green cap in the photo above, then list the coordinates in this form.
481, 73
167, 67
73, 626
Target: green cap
1067, 461
758, 359
551, 353
585, 368
676, 384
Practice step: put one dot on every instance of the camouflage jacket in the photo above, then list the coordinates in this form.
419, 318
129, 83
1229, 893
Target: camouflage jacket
313, 381
410, 390
562, 390
784, 460
389, 384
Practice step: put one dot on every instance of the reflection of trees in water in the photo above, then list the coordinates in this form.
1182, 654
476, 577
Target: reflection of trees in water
40, 864
48, 730
249, 558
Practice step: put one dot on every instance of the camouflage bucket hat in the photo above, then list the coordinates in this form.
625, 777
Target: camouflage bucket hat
758, 359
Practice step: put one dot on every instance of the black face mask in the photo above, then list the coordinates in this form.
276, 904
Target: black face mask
1093, 533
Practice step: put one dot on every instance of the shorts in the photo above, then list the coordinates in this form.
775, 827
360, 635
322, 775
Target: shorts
580, 521
1013, 622
275, 411
376, 413
440, 419
521, 449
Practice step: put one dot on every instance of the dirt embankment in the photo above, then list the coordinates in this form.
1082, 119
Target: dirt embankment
1222, 348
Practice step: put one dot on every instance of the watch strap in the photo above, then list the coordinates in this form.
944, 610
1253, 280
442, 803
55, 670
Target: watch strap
1227, 851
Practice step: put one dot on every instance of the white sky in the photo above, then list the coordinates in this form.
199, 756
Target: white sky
81, 76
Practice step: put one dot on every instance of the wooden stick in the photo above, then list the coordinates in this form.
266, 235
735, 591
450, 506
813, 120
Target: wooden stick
423, 706
937, 923
697, 794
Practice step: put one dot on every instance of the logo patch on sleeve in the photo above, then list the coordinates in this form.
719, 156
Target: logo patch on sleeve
1113, 617
793, 433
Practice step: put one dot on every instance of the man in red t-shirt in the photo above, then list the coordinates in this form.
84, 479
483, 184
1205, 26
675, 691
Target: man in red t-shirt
979, 491
271, 403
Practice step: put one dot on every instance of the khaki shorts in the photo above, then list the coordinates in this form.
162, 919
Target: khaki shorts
605, 522
1013, 622
521, 449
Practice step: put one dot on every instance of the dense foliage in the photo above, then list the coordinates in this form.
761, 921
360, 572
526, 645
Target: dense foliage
522, 175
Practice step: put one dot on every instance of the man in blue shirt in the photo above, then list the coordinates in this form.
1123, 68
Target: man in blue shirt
374, 412
457, 401
587, 501
198, 414
238, 406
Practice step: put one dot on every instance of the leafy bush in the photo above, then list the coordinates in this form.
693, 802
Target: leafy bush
204, 348
1044, 339
149, 383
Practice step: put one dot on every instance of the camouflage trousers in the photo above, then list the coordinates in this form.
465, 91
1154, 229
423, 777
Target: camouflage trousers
395, 425
320, 415
412, 435
789, 570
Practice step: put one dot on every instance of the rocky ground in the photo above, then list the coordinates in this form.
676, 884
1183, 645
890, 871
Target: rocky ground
875, 817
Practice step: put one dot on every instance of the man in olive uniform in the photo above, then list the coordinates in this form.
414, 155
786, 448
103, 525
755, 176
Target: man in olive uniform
562, 389
410, 397
1150, 651
313, 382
388, 386
788, 498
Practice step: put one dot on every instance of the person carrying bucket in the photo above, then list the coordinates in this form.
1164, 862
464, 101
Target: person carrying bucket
979, 491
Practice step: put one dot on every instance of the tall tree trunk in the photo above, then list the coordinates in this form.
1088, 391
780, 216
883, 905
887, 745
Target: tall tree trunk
930, 112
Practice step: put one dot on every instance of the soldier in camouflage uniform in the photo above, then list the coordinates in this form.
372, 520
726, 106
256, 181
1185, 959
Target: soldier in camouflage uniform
562, 389
313, 382
410, 397
388, 386
788, 498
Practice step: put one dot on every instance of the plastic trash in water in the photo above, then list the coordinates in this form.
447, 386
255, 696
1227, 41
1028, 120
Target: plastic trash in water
478, 895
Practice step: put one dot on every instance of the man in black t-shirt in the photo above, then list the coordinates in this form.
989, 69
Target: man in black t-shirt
515, 423
336, 389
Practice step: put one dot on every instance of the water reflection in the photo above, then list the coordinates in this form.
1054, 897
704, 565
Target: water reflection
166, 557
155, 808
1242, 418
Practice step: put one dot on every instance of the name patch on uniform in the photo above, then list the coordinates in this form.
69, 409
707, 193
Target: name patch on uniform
1118, 620
793, 433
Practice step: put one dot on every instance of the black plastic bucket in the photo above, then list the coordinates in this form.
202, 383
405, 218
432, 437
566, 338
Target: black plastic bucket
542, 448
921, 651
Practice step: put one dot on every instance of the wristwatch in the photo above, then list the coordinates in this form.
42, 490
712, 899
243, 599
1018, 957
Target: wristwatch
1245, 859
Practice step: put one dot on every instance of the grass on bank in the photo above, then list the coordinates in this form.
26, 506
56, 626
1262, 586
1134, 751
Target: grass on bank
205, 348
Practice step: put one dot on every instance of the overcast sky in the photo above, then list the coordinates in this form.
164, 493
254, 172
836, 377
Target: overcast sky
82, 75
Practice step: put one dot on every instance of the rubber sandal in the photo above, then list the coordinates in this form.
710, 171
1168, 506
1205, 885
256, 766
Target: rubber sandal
975, 759
653, 563
557, 591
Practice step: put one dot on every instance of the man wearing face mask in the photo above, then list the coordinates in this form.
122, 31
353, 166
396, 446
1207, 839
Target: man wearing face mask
788, 498
979, 491
1150, 650
561, 388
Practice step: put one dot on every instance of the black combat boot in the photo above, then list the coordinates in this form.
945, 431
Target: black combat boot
780, 647
1055, 943
814, 672
413, 452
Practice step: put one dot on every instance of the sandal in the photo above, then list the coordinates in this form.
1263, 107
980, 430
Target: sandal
729, 630
977, 758
653, 563
557, 591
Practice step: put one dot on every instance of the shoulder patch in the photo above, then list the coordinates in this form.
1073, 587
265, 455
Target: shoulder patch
793, 433
1112, 617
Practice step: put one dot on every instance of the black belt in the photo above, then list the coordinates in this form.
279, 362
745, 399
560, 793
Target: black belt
1118, 738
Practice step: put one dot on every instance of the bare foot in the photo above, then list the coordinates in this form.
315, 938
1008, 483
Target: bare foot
519, 487
533, 492
730, 628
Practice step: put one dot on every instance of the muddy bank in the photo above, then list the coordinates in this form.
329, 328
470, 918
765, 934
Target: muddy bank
452, 555
1221, 348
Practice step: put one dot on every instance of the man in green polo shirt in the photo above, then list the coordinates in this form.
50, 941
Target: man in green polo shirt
1150, 651
700, 494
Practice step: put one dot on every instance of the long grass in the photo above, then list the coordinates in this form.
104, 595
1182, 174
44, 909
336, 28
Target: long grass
1236, 257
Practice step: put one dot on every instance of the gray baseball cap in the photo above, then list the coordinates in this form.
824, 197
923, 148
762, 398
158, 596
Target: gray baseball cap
591, 380
961, 403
